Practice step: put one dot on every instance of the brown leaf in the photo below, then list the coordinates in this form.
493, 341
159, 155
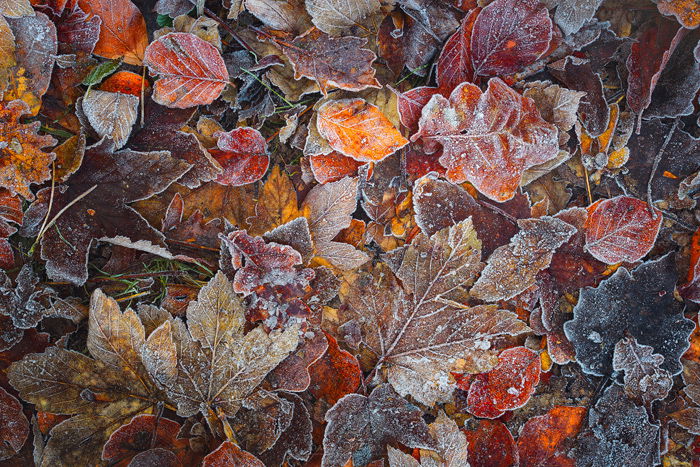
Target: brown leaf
14, 426
513, 268
336, 16
228, 454
123, 30
191, 70
283, 15
488, 139
331, 62
423, 330
110, 114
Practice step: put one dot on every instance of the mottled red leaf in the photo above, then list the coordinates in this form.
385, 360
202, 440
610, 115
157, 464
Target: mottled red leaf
454, 66
508, 35
621, 229
411, 103
336, 374
14, 426
191, 70
491, 445
242, 154
508, 386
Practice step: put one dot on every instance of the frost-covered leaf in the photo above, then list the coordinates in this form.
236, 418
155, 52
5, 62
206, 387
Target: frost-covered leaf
618, 433
508, 35
451, 450
571, 15
111, 114
491, 443
360, 427
358, 129
621, 229
454, 66
640, 304
123, 31
284, 15
242, 154
644, 379
513, 268
28, 301
421, 330
508, 386
219, 366
686, 12
142, 433
228, 453
191, 71
99, 191
546, 439
406, 44
336, 16
411, 103
556, 104
332, 62
14, 426
489, 138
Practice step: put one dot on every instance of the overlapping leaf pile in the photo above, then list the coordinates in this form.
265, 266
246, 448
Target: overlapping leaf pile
347, 233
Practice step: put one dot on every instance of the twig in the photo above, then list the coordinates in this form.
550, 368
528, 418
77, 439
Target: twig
60, 213
48, 212
655, 165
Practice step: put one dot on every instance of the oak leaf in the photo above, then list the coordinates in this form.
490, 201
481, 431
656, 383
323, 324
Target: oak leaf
358, 129
97, 194
331, 62
488, 139
422, 330
621, 229
23, 160
122, 32
191, 70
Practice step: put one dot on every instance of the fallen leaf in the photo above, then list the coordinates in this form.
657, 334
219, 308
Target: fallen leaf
491, 444
488, 139
285, 15
621, 229
110, 114
242, 154
644, 379
358, 130
230, 454
571, 15
16, 8
14, 426
545, 439
142, 433
406, 44
123, 30
686, 12
454, 66
191, 70
336, 16
367, 424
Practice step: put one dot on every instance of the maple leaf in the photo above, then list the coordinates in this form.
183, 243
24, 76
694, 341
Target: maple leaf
619, 432
367, 424
242, 154
122, 32
488, 139
329, 210
95, 207
491, 443
331, 62
217, 365
102, 392
359, 130
110, 114
336, 16
191, 70
621, 229
513, 268
544, 439
23, 161
509, 35
421, 330
638, 304
644, 379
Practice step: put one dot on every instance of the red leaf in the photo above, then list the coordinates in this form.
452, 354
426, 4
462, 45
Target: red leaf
138, 436
508, 386
14, 426
333, 167
191, 70
455, 63
228, 454
491, 445
411, 103
621, 229
508, 35
242, 153
334, 375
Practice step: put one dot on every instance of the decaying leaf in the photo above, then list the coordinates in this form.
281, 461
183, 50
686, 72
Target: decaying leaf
644, 379
111, 114
335, 16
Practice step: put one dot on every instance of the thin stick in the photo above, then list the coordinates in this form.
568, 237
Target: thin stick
48, 212
655, 165
588, 183
65, 208
143, 91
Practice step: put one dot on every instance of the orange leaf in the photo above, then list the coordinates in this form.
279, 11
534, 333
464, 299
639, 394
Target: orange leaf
125, 82
191, 70
229, 454
332, 167
491, 445
541, 440
687, 12
22, 160
621, 229
123, 30
359, 130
